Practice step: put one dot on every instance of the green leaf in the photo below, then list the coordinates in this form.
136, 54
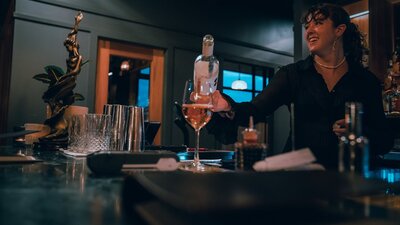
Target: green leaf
78, 97
43, 77
54, 71
84, 62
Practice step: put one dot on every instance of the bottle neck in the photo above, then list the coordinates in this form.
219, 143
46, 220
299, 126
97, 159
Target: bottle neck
207, 49
353, 117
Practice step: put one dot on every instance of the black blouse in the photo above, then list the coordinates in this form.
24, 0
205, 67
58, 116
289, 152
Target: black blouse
316, 109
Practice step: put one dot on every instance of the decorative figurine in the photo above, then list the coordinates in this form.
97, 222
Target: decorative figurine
59, 95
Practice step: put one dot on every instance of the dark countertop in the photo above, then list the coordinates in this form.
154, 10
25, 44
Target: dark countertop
59, 190
62, 190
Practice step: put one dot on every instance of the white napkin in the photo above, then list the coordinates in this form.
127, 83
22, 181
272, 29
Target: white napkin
296, 160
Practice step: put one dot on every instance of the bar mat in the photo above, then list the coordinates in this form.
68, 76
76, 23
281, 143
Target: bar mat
18, 159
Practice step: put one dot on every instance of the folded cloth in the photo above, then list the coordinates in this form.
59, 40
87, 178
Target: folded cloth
296, 160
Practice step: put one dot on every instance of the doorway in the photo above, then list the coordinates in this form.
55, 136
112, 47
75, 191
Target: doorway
130, 74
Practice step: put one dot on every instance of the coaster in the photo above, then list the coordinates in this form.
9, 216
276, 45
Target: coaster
75, 154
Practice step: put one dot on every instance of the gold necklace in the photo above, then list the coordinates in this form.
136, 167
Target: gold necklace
331, 67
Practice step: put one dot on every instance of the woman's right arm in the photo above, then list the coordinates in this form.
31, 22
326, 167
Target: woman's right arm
230, 114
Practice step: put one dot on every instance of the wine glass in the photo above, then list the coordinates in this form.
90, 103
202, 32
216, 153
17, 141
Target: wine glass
196, 108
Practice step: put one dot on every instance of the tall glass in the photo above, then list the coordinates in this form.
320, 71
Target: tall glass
196, 108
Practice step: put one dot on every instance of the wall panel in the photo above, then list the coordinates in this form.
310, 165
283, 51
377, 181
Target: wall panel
36, 46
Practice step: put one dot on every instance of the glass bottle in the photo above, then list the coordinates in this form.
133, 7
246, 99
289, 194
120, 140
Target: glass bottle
394, 106
250, 151
396, 58
353, 146
387, 89
395, 73
206, 65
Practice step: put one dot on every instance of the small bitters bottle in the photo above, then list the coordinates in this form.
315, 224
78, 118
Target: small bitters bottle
250, 150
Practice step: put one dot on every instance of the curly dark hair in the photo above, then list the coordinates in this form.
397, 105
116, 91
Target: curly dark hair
353, 39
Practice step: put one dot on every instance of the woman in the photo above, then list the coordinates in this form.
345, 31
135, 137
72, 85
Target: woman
318, 87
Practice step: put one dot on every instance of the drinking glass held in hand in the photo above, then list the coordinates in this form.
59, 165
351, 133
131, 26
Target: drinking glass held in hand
196, 108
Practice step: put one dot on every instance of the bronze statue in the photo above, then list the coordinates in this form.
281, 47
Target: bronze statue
59, 95
75, 59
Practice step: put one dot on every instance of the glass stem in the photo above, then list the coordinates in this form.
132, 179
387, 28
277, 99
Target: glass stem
196, 157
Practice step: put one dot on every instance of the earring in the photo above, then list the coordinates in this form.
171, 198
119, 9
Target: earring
334, 45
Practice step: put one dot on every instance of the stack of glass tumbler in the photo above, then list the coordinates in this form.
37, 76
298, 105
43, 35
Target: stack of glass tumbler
119, 128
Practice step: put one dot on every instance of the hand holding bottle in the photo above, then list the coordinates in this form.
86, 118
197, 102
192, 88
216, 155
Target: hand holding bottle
219, 103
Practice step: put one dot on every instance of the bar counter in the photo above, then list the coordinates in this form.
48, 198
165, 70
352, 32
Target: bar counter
62, 190
59, 190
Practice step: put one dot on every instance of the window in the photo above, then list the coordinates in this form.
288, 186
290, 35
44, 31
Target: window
256, 78
143, 93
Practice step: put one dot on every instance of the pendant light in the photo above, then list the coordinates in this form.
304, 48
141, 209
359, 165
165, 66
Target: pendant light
239, 84
125, 65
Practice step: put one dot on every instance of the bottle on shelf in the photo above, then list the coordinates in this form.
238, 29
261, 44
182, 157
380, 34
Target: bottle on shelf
391, 89
387, 89
394, 103
396, 58
206, 65
353, 146
394, 99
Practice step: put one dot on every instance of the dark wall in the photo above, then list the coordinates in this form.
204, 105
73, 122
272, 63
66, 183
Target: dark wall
396, 20
254, 32
37, 45
255, 23
6, 39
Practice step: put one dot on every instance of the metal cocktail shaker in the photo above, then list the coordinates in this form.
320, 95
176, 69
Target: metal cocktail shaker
135, 135
118, 120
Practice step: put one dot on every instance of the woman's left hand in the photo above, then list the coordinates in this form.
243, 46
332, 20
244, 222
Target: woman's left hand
339, 128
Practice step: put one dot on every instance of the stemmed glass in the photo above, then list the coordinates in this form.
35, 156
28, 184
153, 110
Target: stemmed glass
196, 108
